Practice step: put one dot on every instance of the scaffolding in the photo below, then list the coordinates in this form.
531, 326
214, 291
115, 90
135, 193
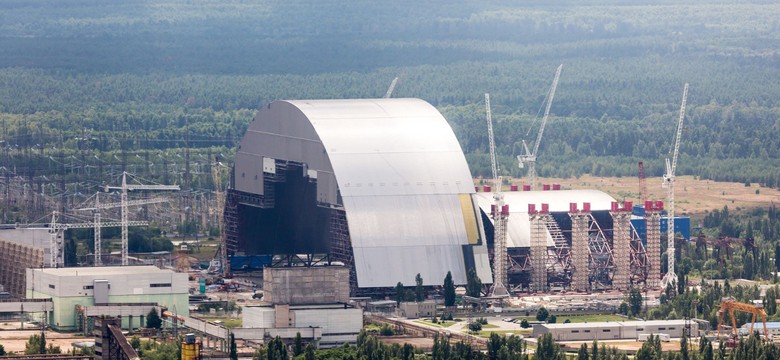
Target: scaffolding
621, 245
579, 245
538, 247
653, 239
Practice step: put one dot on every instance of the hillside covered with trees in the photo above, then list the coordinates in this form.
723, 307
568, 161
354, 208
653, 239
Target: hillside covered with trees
91, 88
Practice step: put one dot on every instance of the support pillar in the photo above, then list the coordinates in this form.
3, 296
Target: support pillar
621, 245
653, 240
579, 247
538, 247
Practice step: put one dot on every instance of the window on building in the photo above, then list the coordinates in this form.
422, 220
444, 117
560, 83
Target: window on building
575, 331
51, 286
661, 328
88, 287
587, 331
640, 329
160, 285
606, 330
671, 328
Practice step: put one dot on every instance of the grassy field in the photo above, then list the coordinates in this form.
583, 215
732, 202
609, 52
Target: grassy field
692, 196
524, 332
440, 324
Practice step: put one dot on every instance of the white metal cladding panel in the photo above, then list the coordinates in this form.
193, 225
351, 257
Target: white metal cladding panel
258, 317
332, 321
519, 225
405, 144
396, 237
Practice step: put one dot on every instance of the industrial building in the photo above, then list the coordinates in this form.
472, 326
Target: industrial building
380, 185
772, 328
310, 301
127, 291
615, 330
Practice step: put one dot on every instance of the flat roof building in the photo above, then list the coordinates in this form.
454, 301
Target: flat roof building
110, 286
614, 330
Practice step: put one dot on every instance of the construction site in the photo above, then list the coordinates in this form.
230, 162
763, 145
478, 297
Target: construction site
332, 201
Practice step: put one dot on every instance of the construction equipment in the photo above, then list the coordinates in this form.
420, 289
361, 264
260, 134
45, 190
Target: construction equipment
57, 232
530, 157
220, 261
668, 182
125, 203
730, 305
642, 183
390, 90
500, 215
96, 216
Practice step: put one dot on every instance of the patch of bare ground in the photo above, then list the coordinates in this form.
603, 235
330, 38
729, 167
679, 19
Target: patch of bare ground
692, 196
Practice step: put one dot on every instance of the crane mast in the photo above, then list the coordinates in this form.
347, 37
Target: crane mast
124, 205
530, 157
500, 215
668, 183
96, 215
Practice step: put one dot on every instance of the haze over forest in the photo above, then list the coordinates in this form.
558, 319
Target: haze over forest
101, 86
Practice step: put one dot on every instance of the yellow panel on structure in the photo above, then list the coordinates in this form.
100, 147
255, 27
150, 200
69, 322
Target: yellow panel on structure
469, 218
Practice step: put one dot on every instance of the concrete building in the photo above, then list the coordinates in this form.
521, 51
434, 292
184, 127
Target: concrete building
773, 328
325, 325
107, 290
306, 285
311, 301
380, 185
614, 330
414, 310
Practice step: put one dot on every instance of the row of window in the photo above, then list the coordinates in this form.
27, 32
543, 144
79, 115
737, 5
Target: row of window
609, 330
90, 287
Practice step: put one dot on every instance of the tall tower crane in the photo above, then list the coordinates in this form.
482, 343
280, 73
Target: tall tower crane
530, 157
124, 204
500, 214
668, 183
390, 90
96, 215
57, 232
223, 267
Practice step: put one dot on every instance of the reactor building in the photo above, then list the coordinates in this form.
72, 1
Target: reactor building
380, 185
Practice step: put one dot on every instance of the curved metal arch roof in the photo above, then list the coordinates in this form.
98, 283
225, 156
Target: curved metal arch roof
519, 225
396, 168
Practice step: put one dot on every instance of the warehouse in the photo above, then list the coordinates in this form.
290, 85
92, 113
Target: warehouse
380, 185
614, 330
110, 288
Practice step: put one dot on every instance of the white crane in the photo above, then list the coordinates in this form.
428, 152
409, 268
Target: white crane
390, 90
530, 157
223, 266
96, 215
499, 216
668, 183
125, 188
57, 231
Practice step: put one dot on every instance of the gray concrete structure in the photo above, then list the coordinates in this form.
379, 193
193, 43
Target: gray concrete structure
306, 285
327, 325
414, 310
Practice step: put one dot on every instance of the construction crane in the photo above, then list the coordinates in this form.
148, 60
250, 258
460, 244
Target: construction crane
500, 214
390, 90
125, 203
530, 157
642, 184
730, 305
57, 232
668, 182
221, 254
96, 216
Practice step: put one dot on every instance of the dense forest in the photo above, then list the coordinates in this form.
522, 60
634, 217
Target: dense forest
91, 88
